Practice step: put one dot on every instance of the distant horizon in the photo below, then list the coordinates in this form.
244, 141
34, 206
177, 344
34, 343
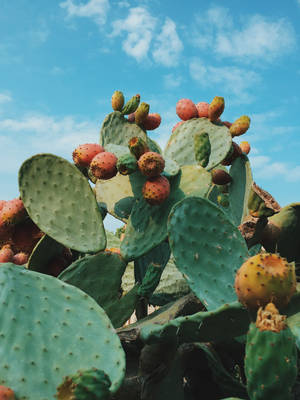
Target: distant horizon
60, 63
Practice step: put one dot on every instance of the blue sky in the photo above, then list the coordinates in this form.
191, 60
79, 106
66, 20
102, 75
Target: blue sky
60, 62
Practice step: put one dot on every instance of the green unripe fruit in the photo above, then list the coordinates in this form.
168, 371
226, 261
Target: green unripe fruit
137, 147
271, 357
141, 113
131, 105
117, 100
202, 148
127, 164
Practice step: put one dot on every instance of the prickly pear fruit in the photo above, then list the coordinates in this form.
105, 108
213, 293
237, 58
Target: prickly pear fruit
176, 125
216, 108
20, 258
6, 393
141, 113
12, 212
84, 153
117, 100
271, 357
93, 382
235, 153
131, 105
2, 202
104, 165
265, 278
202, 109
151, 122
186, 109
127, 164
156, 190
6, 254
245, 147
220, 177
240, 126
151, 164
137, 147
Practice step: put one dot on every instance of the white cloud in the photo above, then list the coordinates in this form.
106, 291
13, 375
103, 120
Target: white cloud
5, 98
264, 167
42, 134
95, 9
139, 27
168, 45
39, 34
171, 81
231, 80
257, 37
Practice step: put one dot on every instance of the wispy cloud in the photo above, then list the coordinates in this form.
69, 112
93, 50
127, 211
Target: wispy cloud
265, 167
168, 45
5, 98
233, 80
172, 81
95, 9
246, 39
139, 28
39, 34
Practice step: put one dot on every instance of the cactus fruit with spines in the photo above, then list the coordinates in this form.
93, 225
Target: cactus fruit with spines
184, 232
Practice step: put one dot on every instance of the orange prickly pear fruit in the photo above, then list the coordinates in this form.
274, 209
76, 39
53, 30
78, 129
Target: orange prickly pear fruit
84, 153
117, 100
6, 393
156, 190
245, 147
265, 278
104, 165
151, 122
20, 258
12, 212
141, 113
137, 146
202, 109
240, 126
216, 108
6, 254
186, 109
151, 164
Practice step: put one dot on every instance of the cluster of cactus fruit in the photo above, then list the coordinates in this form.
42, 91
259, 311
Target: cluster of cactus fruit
213, 252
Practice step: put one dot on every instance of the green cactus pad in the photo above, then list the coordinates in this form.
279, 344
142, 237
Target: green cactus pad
180, 146
43, 252
153, 146
124, 206
208, 249
112, 191
240, 188
49, 329
202, 148
294, 324
60, 201
117, 130
226, 322
195, 180
147, 226
117, 149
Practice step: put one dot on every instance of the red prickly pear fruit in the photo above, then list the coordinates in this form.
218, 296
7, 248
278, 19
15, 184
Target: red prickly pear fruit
2, 203
156, 190
216, 108
240, 126
141, 113
131, 117
245, 147
137, 146
117, 100
202, 109
186, 109
220, 177
176, 125
6, 393
265, 278
26, 235
227, 123
151, 122
6, 254
12, 212
84, 153
151, 164
20, 258
104, 165
235, 153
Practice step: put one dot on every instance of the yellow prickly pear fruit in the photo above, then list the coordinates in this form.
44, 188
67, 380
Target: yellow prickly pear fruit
265, 278
141, 113
117, 100
131, 105
216, 108
245, 147
240, 126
